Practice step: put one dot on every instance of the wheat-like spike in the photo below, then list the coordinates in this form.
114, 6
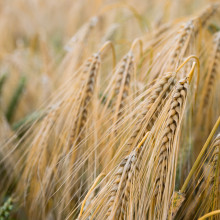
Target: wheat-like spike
121, 90
120, 177
181, 46
205, 15
201, 20
166, 89
213, 70
120, 190
161, 89
90, 72
89, 90
121, 186
91, 68
120, 72
211, 77
123, 83
169, 133
86, 69
122, 209
81, 37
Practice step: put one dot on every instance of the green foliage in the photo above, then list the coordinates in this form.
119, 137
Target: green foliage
5, 209
15, 99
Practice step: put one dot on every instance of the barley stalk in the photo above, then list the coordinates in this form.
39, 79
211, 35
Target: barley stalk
166, 148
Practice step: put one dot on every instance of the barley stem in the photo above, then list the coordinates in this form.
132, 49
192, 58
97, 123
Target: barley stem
210, 214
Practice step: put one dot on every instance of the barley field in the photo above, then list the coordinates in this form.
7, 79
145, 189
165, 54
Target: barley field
109, 109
